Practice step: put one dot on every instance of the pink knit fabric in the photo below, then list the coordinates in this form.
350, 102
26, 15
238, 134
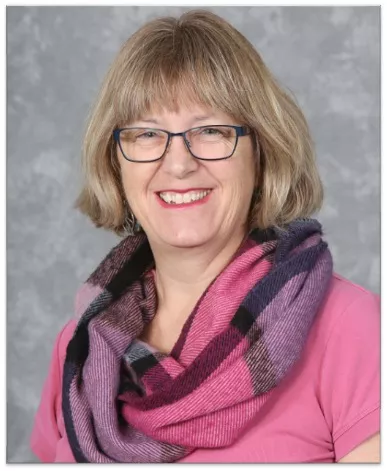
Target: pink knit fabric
327, 405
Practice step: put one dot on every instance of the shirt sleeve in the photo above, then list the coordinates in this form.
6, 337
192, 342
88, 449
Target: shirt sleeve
45, 433
350, 375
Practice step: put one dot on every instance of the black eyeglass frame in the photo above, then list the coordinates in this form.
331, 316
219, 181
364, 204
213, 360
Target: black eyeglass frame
240, 132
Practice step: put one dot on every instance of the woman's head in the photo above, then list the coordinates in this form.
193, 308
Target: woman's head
172, 70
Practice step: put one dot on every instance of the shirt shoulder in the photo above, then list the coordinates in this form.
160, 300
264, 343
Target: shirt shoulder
345, 300
345, 291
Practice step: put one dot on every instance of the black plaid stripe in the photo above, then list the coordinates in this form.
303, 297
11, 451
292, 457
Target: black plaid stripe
260, 236
243, 320
127, 382
134, 268
142, 365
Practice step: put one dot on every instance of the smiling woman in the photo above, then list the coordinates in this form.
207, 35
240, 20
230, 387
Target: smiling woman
216, 330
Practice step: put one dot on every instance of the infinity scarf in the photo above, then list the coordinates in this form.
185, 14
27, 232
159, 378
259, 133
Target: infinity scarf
124, 401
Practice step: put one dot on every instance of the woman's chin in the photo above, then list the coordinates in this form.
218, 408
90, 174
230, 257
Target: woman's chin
185, 238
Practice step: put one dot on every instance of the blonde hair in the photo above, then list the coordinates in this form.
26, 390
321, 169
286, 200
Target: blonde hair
201, 58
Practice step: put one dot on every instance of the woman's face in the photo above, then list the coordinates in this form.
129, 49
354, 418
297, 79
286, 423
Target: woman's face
220, 215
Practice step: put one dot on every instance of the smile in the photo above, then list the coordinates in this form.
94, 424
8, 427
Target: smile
171, 198
181, 198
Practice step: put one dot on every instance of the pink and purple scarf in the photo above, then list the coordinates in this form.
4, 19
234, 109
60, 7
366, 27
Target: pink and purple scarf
124, 401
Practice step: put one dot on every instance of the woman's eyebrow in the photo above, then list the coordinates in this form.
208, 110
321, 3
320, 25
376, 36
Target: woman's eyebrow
202, 117
151, 121
194, 119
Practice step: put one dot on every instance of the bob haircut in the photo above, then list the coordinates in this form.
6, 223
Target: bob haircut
201, 58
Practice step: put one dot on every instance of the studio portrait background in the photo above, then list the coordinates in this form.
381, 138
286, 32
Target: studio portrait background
329, 58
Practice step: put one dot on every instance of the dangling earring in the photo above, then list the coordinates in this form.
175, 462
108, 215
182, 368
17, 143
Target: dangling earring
131, 226
128, 224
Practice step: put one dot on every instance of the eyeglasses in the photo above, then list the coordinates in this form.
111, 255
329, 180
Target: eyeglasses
216, 142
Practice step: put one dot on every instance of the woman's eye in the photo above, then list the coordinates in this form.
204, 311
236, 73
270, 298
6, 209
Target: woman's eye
146, 135
211, 131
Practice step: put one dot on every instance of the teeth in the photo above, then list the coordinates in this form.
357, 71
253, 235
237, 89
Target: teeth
179, 198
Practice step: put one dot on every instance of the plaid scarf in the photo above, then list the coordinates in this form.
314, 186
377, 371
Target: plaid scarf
124, 401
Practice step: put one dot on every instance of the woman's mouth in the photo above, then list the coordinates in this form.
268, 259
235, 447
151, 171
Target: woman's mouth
189, 198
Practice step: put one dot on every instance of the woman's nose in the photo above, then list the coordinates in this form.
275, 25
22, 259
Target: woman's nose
177, 160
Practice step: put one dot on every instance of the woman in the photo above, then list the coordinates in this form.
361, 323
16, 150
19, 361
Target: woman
216, 330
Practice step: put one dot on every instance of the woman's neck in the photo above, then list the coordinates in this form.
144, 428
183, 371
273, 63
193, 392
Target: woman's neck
182, 275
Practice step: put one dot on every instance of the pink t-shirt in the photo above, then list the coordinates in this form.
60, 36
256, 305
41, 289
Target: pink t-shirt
327, 405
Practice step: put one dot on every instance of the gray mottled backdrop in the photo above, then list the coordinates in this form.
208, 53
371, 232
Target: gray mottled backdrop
328, 57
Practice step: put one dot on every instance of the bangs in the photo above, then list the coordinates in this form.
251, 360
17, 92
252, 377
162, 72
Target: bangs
178, 71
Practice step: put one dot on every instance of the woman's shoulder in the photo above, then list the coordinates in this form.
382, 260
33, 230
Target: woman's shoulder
349, 316
347, 289
350, 301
